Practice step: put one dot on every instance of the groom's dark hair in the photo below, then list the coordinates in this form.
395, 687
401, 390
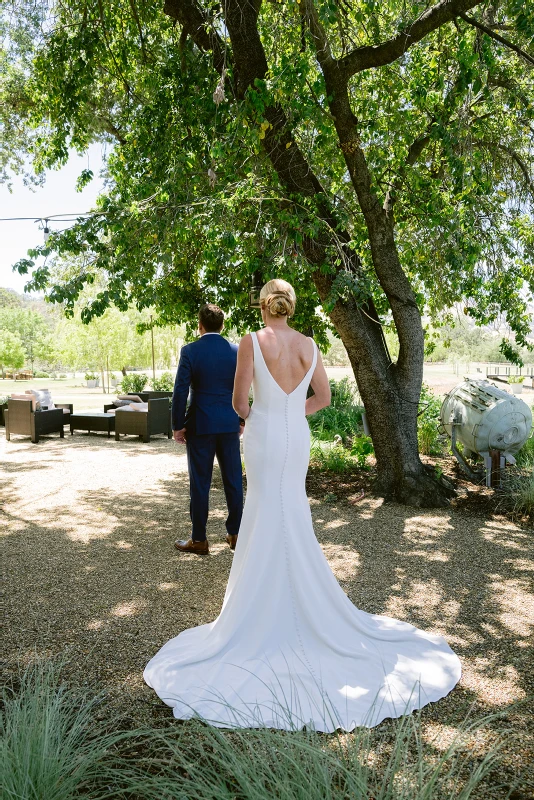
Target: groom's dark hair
211, 317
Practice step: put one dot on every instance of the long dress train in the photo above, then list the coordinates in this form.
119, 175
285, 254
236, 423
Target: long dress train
288, 648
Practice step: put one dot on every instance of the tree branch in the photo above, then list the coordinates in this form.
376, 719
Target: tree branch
514, 156
385, 53
488, 31
190, 17
414, 151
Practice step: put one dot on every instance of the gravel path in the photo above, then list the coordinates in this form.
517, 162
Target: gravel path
88, 528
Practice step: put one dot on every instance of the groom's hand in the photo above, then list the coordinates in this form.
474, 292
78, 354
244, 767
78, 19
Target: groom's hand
179, 436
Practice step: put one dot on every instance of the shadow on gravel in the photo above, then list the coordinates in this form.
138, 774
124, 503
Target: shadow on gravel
101, 582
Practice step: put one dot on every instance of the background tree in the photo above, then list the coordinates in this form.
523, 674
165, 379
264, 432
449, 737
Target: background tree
9, 298
34, 331
376, 155
12, 353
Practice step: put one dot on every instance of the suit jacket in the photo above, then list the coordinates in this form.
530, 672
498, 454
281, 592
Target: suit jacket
206, 375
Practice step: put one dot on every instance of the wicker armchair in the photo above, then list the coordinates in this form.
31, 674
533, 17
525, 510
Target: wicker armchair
21, 420
145, 423
70, 409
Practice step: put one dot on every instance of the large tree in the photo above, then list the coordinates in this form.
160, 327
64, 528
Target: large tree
379, 155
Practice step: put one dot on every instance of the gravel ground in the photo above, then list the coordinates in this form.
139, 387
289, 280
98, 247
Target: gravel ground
91, 573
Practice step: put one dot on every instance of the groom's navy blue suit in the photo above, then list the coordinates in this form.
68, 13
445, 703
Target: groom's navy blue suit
206, 374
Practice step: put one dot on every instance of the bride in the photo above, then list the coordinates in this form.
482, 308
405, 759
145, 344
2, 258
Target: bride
289, 649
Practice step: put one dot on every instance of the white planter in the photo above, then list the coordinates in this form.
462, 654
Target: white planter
92, 384
517, 388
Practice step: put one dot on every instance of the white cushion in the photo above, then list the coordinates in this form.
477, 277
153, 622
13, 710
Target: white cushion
44, 397
139, 406
132, 398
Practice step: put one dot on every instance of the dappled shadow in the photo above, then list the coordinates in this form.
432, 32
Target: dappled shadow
459, 575
93, 572
98, 576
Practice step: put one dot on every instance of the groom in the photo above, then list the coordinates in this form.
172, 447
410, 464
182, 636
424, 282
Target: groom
209, 427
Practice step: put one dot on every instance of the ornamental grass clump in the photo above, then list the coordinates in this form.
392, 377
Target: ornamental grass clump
55, 747
52, 746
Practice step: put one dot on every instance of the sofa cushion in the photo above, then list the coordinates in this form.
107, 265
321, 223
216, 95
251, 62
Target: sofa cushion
139, 407
132, 398
30, 398
43, 396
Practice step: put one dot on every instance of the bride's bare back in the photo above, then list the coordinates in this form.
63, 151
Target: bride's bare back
288, 355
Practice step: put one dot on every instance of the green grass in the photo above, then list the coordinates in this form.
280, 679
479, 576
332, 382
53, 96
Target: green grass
54, 748
519, 481
525, 457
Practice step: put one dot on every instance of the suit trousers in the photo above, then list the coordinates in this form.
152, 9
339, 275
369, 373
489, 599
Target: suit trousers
201, 452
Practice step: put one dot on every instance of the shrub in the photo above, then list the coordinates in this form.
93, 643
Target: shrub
89, 376
431, 441
165, 383
39, 374
362, 446
516, 378
335, 458
342, 417
134, 383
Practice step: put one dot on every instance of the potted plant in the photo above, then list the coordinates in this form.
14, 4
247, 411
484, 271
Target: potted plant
92, 380
3, 406
516, 382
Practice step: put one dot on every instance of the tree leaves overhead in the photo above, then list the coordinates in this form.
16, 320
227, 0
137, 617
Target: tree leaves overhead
193, 210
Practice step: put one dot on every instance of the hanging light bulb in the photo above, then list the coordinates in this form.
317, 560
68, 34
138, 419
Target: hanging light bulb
46, 231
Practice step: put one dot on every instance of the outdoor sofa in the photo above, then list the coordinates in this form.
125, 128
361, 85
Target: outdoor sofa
156, 419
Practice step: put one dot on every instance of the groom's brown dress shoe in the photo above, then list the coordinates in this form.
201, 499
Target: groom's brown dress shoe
190, 546
232, 540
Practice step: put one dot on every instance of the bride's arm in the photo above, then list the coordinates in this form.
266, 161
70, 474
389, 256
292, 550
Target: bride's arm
243, 376
321, 388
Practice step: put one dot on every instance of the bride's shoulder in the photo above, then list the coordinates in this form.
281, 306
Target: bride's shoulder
246, 343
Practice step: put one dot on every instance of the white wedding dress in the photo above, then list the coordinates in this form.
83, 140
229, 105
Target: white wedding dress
289, 648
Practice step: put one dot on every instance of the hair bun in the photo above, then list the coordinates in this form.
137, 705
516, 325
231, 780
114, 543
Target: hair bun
279, 304
278, 297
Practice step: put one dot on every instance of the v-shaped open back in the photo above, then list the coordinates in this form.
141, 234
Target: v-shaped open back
261, 364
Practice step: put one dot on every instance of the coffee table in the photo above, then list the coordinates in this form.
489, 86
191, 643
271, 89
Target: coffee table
92, 421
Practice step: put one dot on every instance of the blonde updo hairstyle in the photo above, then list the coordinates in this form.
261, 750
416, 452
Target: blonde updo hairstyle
278, 298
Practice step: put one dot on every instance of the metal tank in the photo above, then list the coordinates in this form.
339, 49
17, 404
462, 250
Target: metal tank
485, 418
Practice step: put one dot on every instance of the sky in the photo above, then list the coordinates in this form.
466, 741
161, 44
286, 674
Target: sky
57, 196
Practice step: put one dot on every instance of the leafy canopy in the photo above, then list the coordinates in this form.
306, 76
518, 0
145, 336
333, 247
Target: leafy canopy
193, 210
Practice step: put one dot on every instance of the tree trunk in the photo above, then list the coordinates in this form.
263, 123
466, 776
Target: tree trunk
391, 400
